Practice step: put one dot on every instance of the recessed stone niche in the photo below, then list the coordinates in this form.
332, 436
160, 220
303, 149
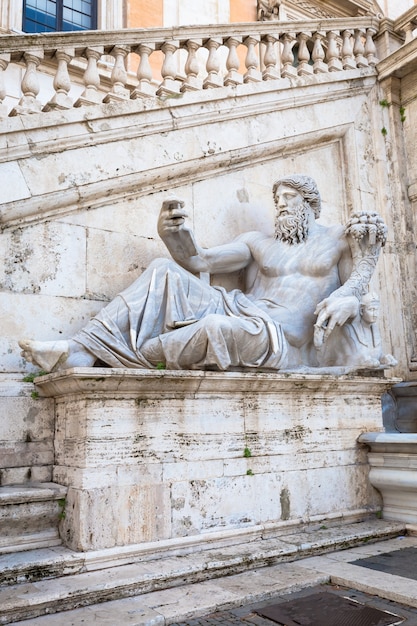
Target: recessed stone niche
154, 455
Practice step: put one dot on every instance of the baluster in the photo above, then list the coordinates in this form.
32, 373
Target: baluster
213, 78
4, 62
30, 85
169, 86
408, 30
232, 63
359, 49
319, 67
271, 70
144, 88
91, 78
253, 75
287, 57
332, 55
303, 68
192, 67
118, 91
62, 82
348, 59
370, 48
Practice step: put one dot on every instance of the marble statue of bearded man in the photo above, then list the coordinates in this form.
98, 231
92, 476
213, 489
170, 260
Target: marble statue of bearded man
300, 279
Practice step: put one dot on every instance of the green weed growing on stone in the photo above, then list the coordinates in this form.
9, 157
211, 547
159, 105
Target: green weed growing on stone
31, 377
62, 503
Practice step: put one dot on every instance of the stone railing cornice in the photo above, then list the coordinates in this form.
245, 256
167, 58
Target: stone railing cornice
400, 62
17, 44
406, 23
248, 55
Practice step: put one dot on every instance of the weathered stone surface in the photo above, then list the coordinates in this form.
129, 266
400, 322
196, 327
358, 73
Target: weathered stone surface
60, 316
29, 516
133, 447
12, 183
26, 433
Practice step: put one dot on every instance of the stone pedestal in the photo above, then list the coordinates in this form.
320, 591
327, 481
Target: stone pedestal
151, 456
393, 461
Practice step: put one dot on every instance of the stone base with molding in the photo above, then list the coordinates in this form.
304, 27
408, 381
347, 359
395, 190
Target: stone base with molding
157, 456
393, 461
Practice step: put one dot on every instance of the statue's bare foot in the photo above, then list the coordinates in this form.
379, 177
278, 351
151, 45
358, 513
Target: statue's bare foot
55, 355
369, 364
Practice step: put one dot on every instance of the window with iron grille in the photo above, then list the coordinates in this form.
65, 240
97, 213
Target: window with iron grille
40, 16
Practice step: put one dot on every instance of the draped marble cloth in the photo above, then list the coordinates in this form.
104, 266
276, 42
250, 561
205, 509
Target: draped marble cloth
225, 329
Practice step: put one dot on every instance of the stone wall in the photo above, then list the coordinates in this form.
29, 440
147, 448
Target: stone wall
80, 221
83, 190
408, 105
397, 76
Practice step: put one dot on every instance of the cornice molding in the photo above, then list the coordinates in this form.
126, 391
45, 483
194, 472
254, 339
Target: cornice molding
399, 63
130, 382
295, 10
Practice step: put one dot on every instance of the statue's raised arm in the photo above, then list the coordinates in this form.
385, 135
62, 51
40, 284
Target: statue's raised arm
182, 245
366, 234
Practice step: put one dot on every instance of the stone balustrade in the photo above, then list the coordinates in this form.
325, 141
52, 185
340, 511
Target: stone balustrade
169, 62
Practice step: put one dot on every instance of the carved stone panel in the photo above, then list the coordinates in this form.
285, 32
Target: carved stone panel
283, 10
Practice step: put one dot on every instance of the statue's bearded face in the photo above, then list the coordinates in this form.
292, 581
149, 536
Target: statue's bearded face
291, 220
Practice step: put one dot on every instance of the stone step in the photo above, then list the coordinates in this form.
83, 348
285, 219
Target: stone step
29, 516
191, 601
221, 601
89, 581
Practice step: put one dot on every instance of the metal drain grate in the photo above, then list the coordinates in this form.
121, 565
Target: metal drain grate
399, 563
327, 609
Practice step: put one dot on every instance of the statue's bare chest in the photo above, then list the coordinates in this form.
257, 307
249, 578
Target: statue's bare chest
311, 258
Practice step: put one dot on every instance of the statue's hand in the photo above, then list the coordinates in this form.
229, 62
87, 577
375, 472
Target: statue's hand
171, 217
174, 233
331, 312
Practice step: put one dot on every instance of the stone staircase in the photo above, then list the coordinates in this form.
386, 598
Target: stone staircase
30, 515
46, 581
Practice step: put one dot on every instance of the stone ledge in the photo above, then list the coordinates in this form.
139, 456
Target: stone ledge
131, 381
390, 442
35, 492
